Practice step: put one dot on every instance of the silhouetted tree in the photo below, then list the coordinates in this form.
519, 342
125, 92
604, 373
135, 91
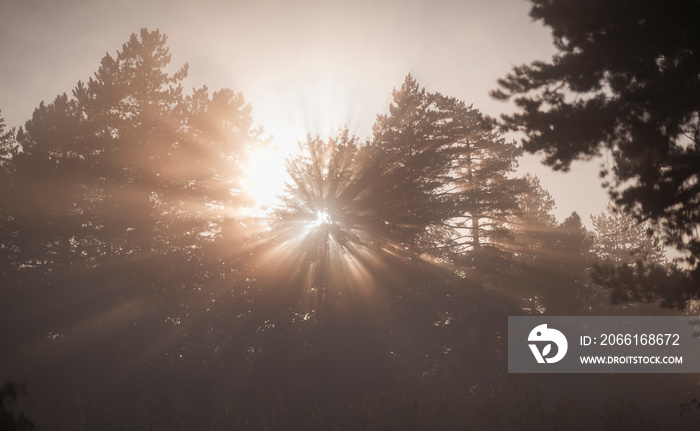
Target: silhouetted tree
623, 82
533, 223
332, 195
547, 269
52, 169
546, 262
134, 106
444, 171
569, 257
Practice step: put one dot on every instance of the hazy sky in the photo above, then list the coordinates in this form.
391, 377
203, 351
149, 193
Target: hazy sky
305, 66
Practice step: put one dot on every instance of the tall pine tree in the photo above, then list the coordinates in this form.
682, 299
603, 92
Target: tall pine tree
445, 171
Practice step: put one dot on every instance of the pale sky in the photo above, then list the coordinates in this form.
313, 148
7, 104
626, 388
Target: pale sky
305, 66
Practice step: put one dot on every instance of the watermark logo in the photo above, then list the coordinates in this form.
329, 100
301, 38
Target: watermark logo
541, 340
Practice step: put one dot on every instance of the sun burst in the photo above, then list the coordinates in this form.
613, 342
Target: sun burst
322, 218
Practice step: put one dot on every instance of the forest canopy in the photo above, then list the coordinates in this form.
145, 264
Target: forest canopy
128, 247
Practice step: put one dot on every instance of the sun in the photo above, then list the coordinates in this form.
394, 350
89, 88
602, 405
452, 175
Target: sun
322, 218
307, 103
266, 177
266, 169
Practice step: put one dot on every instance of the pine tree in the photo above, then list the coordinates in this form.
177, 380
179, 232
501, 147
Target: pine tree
133, 107
623, 82
50, 185
330, 207
557, 272
445, 172
409, 149
620, 238
533, 224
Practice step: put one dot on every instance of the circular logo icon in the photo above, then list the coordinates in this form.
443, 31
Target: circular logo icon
547, 344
